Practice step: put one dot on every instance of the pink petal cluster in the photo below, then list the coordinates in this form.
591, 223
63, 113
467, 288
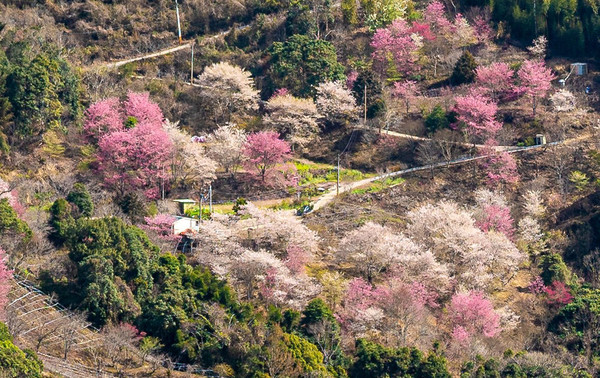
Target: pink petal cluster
472, 315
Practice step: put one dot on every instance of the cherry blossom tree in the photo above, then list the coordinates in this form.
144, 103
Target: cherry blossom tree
496, 218
535, 79
533, 204
275, 231
135, 159
260, 271
11, 194
372, 249
539, 47
294, 118
230, 89
103, 117
112, 115
336, 102
161, 225
350, 79
5, 276
263, 152
500, 168
144, 110
396, 45
496, 79
563, 101
477, 112
476, 259
435, 15
472, 316
483, 30
463, 34
558, 294
407, 91
537, 286
226, 146
190, 164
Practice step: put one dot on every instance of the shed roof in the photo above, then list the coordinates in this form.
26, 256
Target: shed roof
185, 200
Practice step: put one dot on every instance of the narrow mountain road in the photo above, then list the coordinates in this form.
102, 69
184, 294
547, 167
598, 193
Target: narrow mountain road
169, 50
328, 197
414, 137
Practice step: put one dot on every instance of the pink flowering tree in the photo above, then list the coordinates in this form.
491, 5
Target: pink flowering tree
483, 30
537, 286
161, 225
496, 79
558, 294
6, 191
144, 110
135, 159
535, 79
407, 91
103, 117
297, 258
264, 151
5, 276
395, 46
435, 16
350, 79
281, 92
112, 115
500, 168
472, 316
477, 112
497, 218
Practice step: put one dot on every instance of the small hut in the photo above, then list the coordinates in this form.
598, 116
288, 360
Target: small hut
185, 204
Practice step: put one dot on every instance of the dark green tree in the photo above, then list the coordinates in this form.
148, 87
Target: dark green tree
464, 70
436, 120
301, 63
17, 363
374, 360
11, 225
553, 269
60, 220
81, 198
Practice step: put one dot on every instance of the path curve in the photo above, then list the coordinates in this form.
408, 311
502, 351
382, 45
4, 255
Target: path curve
330, 196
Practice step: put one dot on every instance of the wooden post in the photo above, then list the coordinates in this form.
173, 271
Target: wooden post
192, 69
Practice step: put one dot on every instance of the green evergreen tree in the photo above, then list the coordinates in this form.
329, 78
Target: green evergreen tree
17, 363
464, 70
301, 63
80, 197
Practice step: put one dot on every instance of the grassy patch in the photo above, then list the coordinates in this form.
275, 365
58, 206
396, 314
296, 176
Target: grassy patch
379, 185
313, 174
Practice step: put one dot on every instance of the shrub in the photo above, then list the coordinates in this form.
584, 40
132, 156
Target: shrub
436, 120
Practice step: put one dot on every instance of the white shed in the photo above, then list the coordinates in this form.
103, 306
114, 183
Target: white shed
183, 224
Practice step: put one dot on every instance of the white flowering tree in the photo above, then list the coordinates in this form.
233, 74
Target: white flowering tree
336, 102
294, 118
230, 89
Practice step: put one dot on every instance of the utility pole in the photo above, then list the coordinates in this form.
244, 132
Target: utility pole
201, 203
209, 195
192, 69
535, 18
337, 189
178, 20
365, 106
